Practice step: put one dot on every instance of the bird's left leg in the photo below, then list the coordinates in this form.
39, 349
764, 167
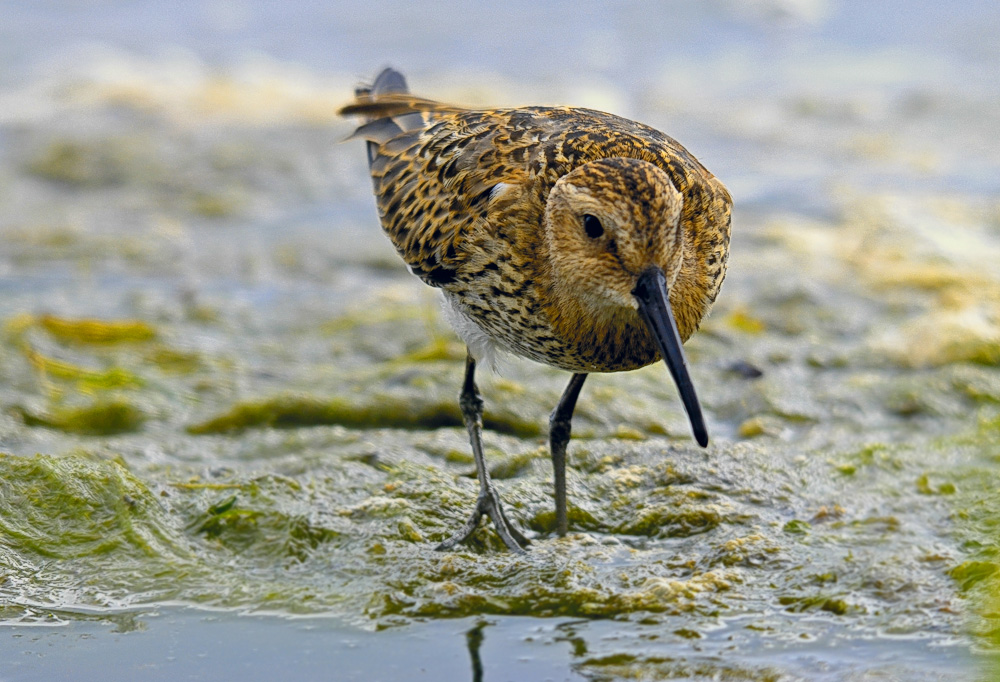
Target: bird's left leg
488, 503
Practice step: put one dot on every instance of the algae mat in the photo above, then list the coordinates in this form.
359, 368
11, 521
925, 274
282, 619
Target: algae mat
220, 390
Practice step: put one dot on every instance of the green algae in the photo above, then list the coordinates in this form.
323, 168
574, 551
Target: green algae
820, 602
172, 360
512, 467
797, 527
924, 487
74, 507
975, 513
632, 667
356, 534
275, 521
103, 417
671, 521
870, 455
579, 519
255, 520
376, 517
85, 379
290, 411
440, 348
968, 574
119, 349
743, 321
91, 331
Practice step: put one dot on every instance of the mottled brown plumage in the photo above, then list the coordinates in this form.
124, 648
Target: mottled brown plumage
539, 224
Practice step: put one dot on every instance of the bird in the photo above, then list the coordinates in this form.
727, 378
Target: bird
568, 236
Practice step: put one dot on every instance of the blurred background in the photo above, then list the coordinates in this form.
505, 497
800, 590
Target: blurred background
243, 402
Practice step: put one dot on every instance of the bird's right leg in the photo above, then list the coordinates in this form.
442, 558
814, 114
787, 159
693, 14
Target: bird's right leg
560, 424
488, 503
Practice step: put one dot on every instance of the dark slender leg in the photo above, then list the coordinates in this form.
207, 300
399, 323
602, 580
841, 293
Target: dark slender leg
560, 425
489, 501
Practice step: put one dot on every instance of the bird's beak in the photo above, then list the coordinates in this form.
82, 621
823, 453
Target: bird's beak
654, 306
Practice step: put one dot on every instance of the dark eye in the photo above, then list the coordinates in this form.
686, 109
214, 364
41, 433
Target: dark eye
592, 226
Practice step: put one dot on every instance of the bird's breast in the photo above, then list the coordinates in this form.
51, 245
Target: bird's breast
525, 326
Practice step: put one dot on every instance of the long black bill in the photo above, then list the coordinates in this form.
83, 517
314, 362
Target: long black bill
654, 306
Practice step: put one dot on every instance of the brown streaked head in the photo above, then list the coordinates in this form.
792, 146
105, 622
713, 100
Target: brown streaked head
606, 222
615, 248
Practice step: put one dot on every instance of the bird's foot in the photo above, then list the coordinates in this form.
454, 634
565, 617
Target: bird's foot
489, 504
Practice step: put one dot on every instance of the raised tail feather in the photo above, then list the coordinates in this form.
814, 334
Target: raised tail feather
388, 109
389, 81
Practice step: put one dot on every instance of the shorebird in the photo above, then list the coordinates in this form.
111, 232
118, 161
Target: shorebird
572, 237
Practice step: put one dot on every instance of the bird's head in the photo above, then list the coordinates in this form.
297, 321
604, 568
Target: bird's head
609, 221
615, 245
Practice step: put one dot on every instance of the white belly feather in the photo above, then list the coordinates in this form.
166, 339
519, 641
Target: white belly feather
484, 348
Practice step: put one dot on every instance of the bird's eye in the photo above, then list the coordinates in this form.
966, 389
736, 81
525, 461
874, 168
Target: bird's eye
592, 226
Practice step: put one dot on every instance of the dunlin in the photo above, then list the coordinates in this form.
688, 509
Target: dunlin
576, 238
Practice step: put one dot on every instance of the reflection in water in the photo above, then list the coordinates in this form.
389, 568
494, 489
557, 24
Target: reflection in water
567, 632
474, 639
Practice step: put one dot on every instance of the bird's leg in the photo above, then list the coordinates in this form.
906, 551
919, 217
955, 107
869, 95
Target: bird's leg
560, 425
488, 503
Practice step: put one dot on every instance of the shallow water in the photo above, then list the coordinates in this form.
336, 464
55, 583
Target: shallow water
184, 644
244, 404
